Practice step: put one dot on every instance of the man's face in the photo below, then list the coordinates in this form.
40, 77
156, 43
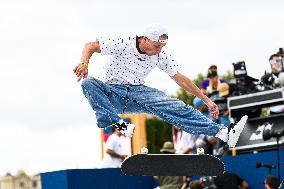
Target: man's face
276, 64
152, 47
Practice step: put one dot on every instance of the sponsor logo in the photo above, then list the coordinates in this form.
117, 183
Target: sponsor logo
257, 135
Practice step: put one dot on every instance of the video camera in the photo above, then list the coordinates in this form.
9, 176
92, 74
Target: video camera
244, 83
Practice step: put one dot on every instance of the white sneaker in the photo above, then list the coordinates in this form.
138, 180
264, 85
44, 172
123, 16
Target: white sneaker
126, 129
235, 132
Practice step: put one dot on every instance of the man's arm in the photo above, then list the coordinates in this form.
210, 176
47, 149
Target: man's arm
189, 86
114, 154
90, 48
186, 150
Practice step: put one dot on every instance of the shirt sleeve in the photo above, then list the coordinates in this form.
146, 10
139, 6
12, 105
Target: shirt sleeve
204, 84
110, 46
223, 81
167, 63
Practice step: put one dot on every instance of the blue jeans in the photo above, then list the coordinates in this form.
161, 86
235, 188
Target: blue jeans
224, 120
109, 100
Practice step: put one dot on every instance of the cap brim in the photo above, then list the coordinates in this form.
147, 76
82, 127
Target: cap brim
224, 93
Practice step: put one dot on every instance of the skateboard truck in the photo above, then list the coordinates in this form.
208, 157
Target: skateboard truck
200, 151
144, 150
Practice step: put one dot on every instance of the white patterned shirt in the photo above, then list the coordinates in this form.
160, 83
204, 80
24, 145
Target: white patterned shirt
129, 66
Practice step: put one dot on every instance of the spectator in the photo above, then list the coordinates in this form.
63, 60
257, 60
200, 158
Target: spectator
205, 83
196, 184
271, 182
221, 101
169, 182
275, 61
214, 82
178, 136
113, 157
192, 142
205, 142
201, 106
230, 180
183, 141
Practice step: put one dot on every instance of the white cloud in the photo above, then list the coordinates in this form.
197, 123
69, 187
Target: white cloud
41, 151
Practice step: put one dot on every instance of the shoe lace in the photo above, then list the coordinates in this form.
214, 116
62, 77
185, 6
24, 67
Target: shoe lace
231, 126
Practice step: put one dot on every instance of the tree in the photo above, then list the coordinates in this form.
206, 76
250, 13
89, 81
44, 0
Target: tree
157, 132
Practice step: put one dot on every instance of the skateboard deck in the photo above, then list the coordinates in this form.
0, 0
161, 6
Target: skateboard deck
172, 165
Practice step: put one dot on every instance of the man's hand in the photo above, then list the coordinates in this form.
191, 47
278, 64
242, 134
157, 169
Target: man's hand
123, 156
213, 109
81, 71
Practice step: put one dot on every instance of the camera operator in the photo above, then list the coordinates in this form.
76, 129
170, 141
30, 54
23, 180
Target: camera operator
271, 182
271, 80
230, 180
275, 61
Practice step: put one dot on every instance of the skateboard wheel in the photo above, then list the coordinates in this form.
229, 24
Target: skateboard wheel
144, 150
200, 151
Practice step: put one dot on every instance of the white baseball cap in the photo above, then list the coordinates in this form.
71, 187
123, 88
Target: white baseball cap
154, 32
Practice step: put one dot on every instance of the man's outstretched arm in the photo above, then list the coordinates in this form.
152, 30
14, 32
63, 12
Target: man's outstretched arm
189, 86
90, 48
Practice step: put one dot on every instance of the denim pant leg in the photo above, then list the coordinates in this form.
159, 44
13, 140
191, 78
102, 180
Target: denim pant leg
103, 100
224, 120
174, 111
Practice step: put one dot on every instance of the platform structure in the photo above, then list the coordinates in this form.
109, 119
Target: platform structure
111, 178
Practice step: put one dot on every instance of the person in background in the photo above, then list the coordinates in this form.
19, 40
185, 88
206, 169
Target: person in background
205, 142
196, 184
271, 182
230, 180
178, 137
214, 83
205, 83
169, 182
113, 156
201, 106
275, 61
221, 101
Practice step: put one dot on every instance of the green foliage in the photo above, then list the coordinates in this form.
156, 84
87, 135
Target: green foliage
228, 76
158, 132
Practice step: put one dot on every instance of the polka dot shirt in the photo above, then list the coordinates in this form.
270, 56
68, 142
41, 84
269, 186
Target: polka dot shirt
127, 66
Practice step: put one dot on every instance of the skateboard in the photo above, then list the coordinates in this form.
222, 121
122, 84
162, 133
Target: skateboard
172, 165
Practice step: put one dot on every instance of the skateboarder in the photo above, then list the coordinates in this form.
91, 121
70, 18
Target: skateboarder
123, 91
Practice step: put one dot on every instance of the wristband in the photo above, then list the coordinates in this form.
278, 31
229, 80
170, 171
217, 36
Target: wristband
84, 64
